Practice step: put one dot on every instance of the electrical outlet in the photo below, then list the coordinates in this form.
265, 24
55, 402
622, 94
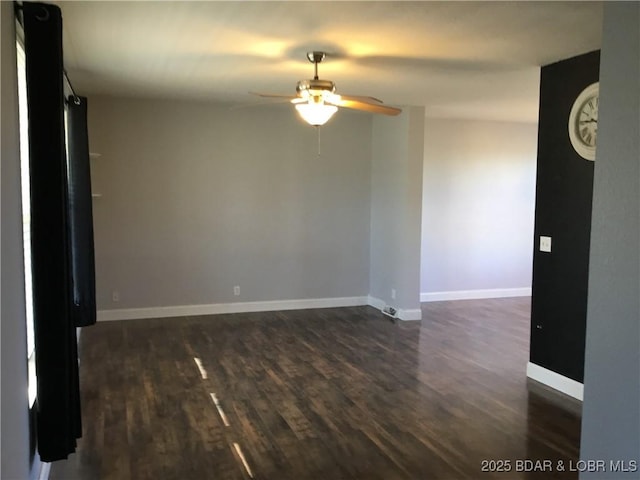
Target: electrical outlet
236, 290
393, 294
545, 244
115, 296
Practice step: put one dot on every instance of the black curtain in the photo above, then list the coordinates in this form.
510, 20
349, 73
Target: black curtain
80, 214
53, 238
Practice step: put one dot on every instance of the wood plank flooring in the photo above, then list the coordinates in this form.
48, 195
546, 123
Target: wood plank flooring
319, 394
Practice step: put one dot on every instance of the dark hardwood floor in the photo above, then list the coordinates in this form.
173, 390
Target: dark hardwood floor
320, 394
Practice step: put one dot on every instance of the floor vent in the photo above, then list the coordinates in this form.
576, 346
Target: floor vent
390, 312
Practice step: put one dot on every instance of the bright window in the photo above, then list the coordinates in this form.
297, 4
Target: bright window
26, 218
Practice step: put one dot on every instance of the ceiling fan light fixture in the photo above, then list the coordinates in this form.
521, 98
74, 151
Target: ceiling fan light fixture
316, 114
316, 99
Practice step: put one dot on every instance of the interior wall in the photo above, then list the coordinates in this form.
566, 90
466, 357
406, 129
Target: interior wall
611, 410
477, 207
398, 150
14, 430
564, 189
198, 198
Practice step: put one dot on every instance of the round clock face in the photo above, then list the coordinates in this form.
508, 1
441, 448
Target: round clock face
583, 122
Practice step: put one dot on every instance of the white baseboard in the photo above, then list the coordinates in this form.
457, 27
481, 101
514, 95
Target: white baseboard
44, 471
410, 314
376, 302
239, 307
39, 469
475, 294
401, 314
555, 380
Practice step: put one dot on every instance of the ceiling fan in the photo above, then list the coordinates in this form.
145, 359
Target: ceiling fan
316, 100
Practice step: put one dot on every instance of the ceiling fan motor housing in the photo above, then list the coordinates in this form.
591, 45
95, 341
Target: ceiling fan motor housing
315, 87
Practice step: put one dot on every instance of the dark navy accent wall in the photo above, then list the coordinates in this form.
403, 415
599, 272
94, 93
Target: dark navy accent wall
564, 188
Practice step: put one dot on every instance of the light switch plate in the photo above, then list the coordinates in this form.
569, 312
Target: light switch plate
545, 244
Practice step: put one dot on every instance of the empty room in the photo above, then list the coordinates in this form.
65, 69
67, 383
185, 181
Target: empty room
320, 240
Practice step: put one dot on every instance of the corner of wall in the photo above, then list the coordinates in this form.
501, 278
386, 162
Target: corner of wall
396, 209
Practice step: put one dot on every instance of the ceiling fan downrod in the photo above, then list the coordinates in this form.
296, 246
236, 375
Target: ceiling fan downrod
315, 58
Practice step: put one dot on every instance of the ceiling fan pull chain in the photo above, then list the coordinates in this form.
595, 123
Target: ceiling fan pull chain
318, 130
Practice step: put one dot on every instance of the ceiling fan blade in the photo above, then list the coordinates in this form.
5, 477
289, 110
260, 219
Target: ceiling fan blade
274, 95
346, 102
361, 98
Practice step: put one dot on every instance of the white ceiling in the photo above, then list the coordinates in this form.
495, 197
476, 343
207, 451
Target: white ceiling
461, 59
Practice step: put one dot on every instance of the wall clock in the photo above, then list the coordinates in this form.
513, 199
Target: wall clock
583, 122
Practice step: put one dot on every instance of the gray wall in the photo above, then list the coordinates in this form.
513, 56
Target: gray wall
398, 150
611, 410
198, 198
14, 430
477, 205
